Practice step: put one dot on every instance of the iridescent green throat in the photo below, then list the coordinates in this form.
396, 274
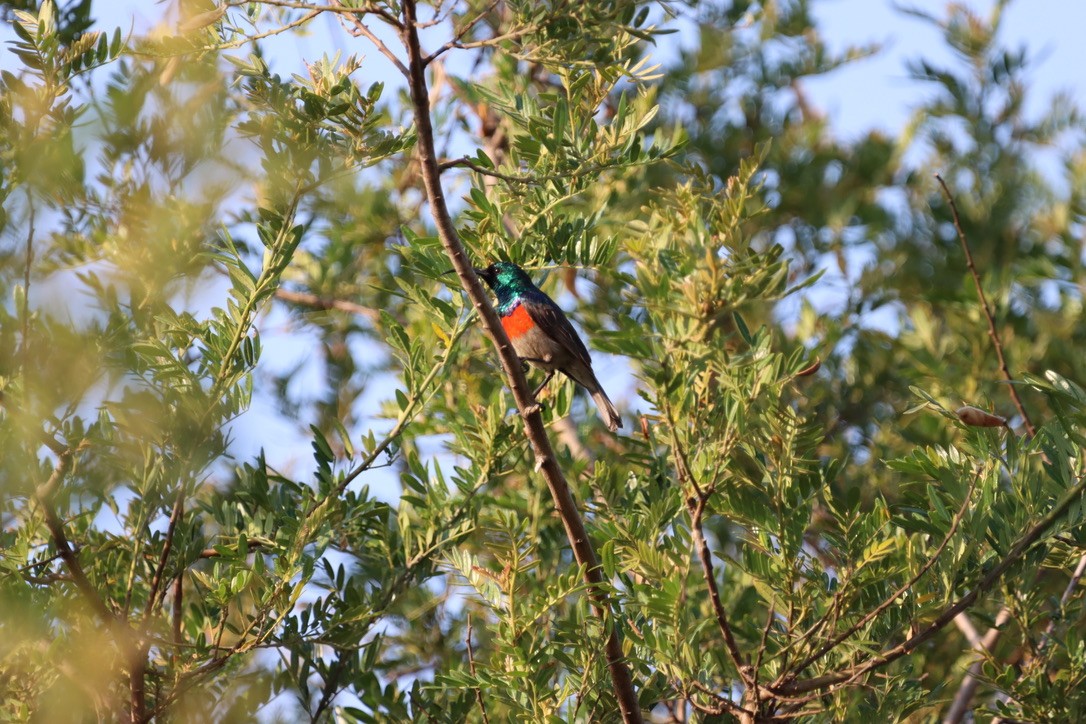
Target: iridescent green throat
510, 284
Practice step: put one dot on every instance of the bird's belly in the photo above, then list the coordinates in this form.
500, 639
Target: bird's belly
535, 347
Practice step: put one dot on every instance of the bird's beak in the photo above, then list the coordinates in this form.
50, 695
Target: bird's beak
446, 273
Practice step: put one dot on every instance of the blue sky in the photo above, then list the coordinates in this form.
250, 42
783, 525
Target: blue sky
872, 93
877, 92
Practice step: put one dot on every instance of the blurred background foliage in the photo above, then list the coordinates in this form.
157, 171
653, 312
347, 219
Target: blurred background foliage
193, 228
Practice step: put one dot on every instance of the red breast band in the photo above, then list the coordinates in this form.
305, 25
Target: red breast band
517, 322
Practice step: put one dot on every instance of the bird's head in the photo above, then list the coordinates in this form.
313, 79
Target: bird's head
505, 277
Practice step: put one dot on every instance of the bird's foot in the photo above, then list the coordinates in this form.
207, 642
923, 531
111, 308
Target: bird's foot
532, 409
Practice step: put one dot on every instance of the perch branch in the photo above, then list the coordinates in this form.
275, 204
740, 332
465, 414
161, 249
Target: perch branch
546, 461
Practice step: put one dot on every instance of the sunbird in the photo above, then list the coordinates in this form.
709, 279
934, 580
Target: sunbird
541, 334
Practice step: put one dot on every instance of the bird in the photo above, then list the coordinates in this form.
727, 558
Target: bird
542, 336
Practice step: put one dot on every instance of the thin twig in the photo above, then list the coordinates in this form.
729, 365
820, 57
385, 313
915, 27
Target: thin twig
306, 299
178, 608
331, 688
361, 29
1018, 550
993, 333
368, 9
44, 495
696, 511
527, 178
406, 415
682, 465
695, 504
464, 30
546, 462
35, 564
982, 646
171, 529
247, 39
760, 654
511, 35
469, 164
724, 704
969, 683
889, 600
24, 343
471, 667
1072, 584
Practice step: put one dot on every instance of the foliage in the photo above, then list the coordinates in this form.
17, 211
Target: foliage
799, 515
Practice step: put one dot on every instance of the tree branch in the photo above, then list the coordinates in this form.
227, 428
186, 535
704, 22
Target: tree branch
178, 607
24, 341
696, 511
969, 684
471, 667
361, 29
1072, 584
889, 601
993, 333
171, 528
305, 299
511, 35
44, 495
964, 696
134, 652
367, 9
1017, 551
464, 30
529, 410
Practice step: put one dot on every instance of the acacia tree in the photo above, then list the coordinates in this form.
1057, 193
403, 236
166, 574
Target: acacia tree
776, 538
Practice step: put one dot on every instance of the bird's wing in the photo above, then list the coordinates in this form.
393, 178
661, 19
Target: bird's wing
549, 317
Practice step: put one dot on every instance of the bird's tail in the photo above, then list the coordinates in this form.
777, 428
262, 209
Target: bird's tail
607, 410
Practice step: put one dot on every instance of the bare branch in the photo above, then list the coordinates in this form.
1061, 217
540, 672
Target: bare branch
361, 29
464, 30
469, 164
266, 34
178, 608
960, 706
171, 528
762, 647
696, 511
486, 42
969, 684
993, 333
305, 299
367, 9
546, 461
723, 703
471, 667
28, 262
